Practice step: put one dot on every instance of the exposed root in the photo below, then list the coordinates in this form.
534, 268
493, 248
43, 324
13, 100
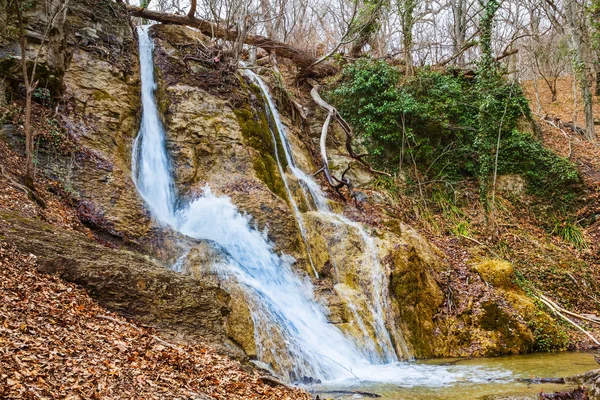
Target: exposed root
334, 114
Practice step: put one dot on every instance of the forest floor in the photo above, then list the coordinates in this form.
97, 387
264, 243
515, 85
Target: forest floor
565, 142
57, 342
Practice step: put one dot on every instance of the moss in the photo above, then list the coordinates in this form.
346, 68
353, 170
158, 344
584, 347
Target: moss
101, 95
494, 318
256, 133
418, 296
497, 273
160, 94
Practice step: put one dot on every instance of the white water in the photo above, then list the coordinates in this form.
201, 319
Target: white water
377, 291
279, 126
291, 329
150, 165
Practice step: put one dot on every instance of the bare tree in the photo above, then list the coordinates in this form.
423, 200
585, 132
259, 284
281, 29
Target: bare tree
56, 14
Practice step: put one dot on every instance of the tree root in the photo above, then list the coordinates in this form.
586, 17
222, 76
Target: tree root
332, 114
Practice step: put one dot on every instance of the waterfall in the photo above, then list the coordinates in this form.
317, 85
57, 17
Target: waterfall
274, 119
286, 316
377, 288
150, 164
291, 328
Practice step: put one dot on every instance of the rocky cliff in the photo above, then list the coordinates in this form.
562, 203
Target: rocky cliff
218, 135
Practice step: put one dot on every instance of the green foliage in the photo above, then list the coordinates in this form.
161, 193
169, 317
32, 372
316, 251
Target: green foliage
547, 335
570, 232
444, 126
42, 95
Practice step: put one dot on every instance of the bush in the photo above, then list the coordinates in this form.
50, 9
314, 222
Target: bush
445, 125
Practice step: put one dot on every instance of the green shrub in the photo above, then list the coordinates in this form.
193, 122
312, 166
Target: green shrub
444, 126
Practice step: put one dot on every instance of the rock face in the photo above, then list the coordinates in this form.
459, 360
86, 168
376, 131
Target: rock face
92, 68
127, 282
218, 135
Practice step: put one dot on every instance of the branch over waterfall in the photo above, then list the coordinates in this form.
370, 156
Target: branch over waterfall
334, 182
302, 59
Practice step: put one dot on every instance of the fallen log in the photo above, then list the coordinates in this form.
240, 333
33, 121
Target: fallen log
302, 59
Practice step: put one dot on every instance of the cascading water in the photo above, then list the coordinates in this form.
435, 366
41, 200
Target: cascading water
150, 164
291, 329
282, 305
377, 289
286, 148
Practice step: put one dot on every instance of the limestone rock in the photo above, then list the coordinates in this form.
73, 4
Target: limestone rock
127, 282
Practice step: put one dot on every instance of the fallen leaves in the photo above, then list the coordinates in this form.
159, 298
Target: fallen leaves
56, 342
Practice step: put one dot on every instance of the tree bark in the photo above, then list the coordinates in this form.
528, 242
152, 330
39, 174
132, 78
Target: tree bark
574, 29
301, 58
192, 10
459, 37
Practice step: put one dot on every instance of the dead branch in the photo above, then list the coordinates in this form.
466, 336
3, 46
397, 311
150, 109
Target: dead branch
556, 310
579, 316
301, 58
333, 113
335, 183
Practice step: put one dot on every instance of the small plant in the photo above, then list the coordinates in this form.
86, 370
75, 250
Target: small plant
42, 95
461, 229
570, 232
389, 184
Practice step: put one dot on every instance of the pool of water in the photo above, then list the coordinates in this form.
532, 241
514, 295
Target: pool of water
468, 378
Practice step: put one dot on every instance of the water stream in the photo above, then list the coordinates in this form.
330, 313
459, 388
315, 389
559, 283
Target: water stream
376, 289
291, 328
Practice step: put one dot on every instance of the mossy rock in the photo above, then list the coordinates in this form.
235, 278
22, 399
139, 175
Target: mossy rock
498, 273
256, 133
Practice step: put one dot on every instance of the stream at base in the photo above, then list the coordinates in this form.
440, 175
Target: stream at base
468, 378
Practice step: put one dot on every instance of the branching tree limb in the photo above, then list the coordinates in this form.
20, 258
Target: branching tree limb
334, 114
301, 58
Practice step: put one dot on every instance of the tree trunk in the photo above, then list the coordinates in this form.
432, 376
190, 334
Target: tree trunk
301, 58
192, 10
265, 7
29, 174
460, 29
580, 69
406, 10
